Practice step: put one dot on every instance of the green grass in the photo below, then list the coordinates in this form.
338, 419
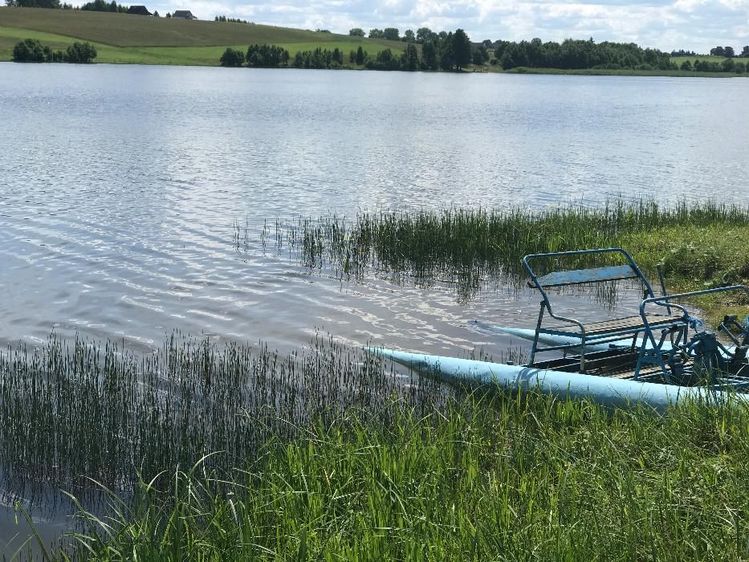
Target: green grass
123, 38
109, 54
620, 72
94, 410
190, 56
492, 478
699, 245
124, 30
708, 58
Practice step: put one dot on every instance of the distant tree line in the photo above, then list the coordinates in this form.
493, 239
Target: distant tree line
231, 20
580, 54
360, 56
445, 51
421, 36
454, 51
266, 56
93, 6
318, 58
103, 6
273, 56
728, 52
32, 50
389, 33
34, 3
440, 51
702, 65
257, 56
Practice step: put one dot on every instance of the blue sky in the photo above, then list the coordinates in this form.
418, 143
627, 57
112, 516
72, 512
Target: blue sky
667, 24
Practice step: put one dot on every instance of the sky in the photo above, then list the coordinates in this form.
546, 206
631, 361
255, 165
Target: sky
695, 25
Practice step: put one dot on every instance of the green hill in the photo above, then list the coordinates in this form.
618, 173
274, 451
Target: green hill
125, 38
709, 58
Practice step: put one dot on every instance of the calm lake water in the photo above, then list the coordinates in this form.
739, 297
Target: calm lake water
120, 187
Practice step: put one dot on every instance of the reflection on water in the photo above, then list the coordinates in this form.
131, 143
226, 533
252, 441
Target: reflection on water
117, 214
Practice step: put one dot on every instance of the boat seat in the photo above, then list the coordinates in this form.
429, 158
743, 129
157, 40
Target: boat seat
608, 265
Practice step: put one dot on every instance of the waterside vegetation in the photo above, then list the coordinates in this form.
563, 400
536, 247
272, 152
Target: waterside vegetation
478, 476
698, 245
233, 453
76, 410
230, 452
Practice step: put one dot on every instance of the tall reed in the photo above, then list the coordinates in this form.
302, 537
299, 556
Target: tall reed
74, 411
468, 247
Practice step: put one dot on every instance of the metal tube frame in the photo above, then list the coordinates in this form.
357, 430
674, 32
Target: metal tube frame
546, 304
655, 354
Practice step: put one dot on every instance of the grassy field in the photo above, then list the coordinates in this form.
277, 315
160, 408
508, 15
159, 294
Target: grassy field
709, 58
123, 38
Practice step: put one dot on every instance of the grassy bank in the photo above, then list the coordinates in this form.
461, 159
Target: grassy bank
483, 478
623, 72
698, 245
88, 409
125, 38
324, 455
328, 454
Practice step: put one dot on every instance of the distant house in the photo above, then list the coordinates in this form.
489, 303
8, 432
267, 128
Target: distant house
183, 14
138, 11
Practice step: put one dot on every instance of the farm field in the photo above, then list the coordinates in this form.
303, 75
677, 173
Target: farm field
124, 38
708, 58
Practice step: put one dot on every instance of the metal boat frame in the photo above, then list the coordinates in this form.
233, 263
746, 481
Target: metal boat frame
692, 353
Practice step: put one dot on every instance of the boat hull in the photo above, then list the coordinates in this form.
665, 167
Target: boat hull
603, 390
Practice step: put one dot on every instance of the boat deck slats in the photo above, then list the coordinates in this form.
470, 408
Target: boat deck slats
592, 361
616, 364
627, 324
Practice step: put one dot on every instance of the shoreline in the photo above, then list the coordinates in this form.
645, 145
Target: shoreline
487, 70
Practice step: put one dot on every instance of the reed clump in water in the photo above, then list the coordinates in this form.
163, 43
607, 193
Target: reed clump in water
481, 478
80, 410
696, 242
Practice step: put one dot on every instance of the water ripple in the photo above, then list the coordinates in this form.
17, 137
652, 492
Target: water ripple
117, 217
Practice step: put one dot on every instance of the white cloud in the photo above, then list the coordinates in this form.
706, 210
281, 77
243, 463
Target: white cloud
666, 24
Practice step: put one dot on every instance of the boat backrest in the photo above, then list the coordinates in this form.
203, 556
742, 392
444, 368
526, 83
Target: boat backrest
563, 277
592, 275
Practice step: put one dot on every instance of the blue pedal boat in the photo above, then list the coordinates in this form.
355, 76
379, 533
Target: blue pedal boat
667, 343
658, 354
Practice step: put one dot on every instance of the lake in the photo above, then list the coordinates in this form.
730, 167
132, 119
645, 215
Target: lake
122, 185
121, 188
